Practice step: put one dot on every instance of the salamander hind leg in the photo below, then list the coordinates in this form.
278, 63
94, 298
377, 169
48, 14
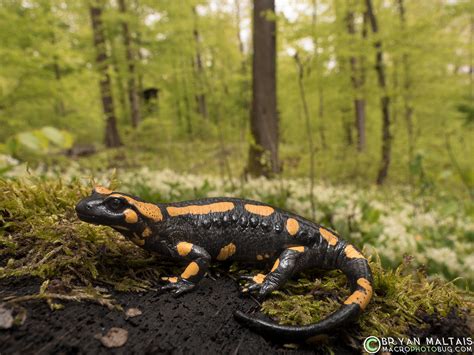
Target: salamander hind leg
261, 285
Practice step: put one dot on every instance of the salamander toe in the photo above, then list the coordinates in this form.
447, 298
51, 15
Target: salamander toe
177, 286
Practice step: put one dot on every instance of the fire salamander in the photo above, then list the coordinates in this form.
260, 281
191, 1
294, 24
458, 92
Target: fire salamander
232, 229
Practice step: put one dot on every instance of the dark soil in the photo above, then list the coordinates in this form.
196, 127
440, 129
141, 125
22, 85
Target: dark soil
200, 322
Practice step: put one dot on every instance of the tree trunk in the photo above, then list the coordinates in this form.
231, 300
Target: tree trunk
133, 95
357, 79
200, 95
319, 75
245, 83
263, 153
309, 134
407, 89
187, 104
239, 37
384, 100
346, 108
112, 138
122, 106
59, 105
138, 41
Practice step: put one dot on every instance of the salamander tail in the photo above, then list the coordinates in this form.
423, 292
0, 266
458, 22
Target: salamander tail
358, 273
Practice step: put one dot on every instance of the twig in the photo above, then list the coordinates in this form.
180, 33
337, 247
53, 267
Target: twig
46, 296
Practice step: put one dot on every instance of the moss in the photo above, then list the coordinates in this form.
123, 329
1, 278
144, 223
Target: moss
401, 297
41, 236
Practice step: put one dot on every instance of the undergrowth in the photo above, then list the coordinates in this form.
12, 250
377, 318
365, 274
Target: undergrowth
401, 297
41, 236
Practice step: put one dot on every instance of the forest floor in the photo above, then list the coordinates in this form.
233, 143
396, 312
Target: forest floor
200, 322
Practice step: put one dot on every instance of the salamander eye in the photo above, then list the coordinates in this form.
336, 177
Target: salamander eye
115, 204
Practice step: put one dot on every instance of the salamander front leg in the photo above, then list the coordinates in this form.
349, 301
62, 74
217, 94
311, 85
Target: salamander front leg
194, 271
282, 270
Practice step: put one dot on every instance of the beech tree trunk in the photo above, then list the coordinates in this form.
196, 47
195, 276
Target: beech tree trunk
185, 97
138, 42
245, 84
59, 104
263, 153
319, 75
112, 138
133, 95
346, 108
309, 134
121, 98
239, 37
407, 89
384, 99
200, 95
357, 79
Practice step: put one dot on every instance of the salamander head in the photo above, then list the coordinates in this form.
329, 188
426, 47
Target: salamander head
117, 210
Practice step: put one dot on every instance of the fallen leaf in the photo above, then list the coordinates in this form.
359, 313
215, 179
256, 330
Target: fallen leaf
132, 312
6, 318
115, 338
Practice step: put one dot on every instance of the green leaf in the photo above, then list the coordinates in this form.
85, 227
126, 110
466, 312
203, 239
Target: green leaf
33, 141
61, 139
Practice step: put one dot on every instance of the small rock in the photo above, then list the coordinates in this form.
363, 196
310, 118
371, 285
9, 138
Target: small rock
6, 318
132, 312
115, 338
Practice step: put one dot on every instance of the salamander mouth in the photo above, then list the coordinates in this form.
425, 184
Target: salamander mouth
88, 218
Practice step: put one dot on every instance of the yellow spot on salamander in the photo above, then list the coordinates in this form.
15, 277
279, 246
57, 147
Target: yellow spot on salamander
292, 226
259, 257
170, 279
259, 278
275, 266
148, 210
330, 238
146, 232
259, 209
298, 249
130, 216
353, 253
191, 270
184, 248
359, 297
226, 252
102, 190
200, 209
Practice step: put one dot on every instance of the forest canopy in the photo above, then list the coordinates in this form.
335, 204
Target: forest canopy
181, 71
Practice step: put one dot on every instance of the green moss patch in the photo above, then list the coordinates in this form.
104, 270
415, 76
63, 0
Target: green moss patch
402, 300
41, 236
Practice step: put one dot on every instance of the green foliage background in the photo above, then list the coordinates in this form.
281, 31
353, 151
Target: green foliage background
48, 78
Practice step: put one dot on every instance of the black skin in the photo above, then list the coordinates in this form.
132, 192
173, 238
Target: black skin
198, 237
